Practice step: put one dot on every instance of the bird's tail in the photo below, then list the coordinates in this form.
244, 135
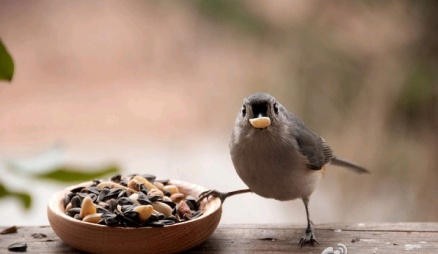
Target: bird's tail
349, 165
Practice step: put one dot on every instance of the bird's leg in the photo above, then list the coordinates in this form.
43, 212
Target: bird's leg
309, 237
221, 195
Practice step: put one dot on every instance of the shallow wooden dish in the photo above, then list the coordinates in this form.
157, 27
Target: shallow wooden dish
97, 238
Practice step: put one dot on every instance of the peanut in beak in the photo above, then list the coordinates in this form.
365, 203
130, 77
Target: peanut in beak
260, 122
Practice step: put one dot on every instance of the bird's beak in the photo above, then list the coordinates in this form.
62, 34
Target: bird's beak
260, 122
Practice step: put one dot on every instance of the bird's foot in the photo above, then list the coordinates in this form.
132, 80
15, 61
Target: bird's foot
217, 194
308, 239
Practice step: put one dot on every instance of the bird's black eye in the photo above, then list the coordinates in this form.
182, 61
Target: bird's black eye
275, 106
243, 110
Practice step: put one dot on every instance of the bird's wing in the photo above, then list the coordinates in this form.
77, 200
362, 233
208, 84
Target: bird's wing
317, 151
312, 146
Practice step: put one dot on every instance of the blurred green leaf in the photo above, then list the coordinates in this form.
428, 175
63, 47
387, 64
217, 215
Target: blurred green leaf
418, 89
231, 12
6, 64
416, 102
23, 197
76, 174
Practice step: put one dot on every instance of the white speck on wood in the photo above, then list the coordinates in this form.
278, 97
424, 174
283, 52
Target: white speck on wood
412, 246
369, 240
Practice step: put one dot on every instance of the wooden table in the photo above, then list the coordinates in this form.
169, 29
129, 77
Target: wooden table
358, 238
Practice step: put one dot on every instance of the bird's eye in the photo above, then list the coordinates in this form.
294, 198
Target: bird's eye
243, 110
275, 106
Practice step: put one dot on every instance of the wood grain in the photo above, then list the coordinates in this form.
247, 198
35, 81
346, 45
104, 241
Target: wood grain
367, 238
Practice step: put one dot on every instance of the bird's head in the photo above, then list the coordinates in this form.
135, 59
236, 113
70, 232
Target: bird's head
260, 111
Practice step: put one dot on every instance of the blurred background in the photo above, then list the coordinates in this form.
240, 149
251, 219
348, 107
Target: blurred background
154, 86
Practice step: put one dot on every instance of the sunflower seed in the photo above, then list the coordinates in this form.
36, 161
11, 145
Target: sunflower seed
77, 189
149, 177
163, 181
191, 202
116, 178
18, 247
196, 214
76, 202
68, 198
110, 219
112, 204
9, 230
92, 190
103, 194
39, 235
124, 201
96, 182
157, 224
73, 211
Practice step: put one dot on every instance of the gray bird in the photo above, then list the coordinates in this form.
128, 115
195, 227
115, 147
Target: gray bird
277, 156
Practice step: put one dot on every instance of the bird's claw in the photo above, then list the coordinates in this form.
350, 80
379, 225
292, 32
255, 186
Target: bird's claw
308, 239
217, 194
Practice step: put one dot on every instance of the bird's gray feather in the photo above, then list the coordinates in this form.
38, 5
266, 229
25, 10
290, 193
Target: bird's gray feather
350, 165
311, 145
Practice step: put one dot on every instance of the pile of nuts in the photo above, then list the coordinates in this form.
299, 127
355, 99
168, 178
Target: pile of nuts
132, 201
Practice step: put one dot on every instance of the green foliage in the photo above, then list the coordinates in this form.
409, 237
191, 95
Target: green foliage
417, 90
74, 174
23, 197
63, 174
233, 13
416, 103
6, 64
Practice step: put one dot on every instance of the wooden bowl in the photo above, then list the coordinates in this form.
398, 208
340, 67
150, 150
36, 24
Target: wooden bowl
98, 238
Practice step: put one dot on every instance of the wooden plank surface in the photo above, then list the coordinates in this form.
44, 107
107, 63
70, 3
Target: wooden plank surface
359, 238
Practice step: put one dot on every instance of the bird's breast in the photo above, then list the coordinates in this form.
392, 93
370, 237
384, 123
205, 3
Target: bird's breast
273, 169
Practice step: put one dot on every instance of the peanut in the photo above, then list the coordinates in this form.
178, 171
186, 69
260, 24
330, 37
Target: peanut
177, 197
87, 207
102, 185
144, 211
155, 192
93, 218
145, 182
159, 185
260, 122
162, 208
172, 189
